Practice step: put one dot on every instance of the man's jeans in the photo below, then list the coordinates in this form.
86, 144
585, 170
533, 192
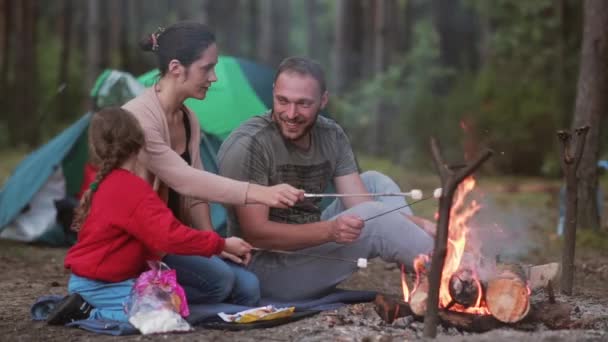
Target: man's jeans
213, 280
392, 237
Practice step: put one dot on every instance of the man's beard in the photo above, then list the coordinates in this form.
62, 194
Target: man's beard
277, 119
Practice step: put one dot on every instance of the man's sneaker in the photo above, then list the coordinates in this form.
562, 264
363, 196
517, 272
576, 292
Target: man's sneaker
71, 308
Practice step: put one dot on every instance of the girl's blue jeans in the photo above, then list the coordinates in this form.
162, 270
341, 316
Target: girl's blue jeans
205, 280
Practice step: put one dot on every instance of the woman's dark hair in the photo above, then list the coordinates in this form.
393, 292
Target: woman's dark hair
114, 137
184, 41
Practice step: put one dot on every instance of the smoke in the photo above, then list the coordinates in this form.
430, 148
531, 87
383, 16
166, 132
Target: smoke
503, 231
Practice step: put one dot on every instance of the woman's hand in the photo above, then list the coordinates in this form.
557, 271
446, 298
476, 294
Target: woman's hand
237, 251
277, 196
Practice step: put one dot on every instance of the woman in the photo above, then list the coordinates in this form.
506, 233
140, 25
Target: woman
187, 54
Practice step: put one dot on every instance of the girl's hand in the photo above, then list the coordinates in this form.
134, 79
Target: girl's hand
237, 250
277, 196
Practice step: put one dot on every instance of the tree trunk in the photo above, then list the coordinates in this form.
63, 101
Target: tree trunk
104, 24
313, 37
224, 19
253, 14
64, 58
93, 44
591, 105
273, 42
124, 35
458, 34
348, 45
383, 26
5, 31
26, 79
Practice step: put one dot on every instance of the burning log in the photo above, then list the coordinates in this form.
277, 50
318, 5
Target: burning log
507, 295
464, 287
390, 308
419, 296
468, 322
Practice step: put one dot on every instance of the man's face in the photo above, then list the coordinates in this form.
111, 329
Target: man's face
201, 73
297, 100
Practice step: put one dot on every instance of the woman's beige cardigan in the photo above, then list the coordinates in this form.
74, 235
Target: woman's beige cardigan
163, 168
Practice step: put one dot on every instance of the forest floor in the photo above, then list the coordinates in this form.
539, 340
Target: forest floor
526, 209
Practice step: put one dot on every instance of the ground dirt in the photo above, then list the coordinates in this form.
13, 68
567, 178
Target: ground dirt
31, 271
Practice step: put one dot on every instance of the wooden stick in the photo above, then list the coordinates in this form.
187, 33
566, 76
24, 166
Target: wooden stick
450, 179
569, 165
377, 194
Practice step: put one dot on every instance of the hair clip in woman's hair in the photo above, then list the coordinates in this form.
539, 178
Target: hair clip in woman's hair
94, 186
154, 37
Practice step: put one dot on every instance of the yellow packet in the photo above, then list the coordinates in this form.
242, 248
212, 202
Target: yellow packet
264, 313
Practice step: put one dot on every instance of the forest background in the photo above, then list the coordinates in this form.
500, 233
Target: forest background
503, 74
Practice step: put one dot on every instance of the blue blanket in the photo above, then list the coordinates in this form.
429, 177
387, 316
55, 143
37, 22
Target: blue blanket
205, 315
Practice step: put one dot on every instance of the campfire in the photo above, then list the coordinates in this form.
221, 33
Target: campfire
475, 292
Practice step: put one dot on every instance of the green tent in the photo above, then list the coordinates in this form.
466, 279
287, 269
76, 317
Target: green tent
243, 89
54, 172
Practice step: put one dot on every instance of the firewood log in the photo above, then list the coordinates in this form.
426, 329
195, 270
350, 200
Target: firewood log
464, 288
418, 297
507, 294
390, 308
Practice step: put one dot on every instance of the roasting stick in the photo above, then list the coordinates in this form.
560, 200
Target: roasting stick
361, 262
414, 194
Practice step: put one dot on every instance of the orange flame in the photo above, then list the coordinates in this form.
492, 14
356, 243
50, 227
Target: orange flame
460, 215
404, 287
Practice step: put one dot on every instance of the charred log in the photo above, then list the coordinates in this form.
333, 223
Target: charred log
464, 287
389, 308
468, 322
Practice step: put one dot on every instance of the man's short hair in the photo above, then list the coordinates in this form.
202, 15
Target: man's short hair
303, 66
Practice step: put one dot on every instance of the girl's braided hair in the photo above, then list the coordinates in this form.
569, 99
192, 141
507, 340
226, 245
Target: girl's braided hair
114, 137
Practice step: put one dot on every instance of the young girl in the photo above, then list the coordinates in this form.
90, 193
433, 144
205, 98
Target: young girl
122, 223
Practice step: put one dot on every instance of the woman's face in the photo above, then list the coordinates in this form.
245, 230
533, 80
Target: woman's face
200, 74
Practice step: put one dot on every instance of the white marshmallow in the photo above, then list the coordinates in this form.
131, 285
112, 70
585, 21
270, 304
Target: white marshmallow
362, 263
416, 194
437, 193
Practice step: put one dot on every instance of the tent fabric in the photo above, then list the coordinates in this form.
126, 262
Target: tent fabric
34, 171
243, 89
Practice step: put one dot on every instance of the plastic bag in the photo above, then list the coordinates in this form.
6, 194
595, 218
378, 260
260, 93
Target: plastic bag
158, 302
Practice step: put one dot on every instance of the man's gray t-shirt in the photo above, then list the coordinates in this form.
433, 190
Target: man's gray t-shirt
256, 152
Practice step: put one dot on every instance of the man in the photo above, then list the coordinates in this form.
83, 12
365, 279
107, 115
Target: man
295, 145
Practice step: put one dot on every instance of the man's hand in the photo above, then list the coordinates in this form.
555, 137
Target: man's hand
237, 251
346, 228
